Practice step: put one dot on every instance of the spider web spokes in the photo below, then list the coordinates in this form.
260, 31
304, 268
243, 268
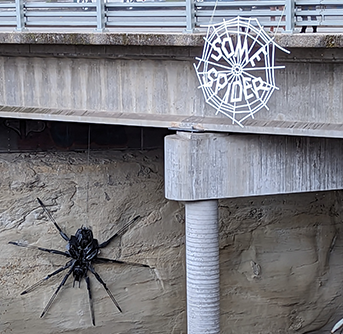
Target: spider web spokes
237, 78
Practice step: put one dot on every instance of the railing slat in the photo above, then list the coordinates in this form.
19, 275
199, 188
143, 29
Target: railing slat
146, 24
59, 5
61, 24
137, 5
60, 14
178, 13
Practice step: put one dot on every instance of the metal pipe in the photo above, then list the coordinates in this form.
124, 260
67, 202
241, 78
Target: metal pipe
202, 267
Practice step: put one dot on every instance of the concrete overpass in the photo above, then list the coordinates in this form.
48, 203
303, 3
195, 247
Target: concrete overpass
148, 79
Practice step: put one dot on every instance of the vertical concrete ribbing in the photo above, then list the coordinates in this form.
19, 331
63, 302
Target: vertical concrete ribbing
202, 267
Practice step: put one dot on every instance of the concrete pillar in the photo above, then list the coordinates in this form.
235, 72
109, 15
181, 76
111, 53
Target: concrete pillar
202, 267
203, 167
202, 239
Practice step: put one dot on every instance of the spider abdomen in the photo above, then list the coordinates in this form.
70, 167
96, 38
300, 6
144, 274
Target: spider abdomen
79, 272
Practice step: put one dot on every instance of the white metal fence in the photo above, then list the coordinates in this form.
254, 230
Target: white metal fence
187, 15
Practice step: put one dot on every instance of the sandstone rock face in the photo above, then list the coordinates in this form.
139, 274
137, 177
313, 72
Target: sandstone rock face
120, 187
281, 263
281, 267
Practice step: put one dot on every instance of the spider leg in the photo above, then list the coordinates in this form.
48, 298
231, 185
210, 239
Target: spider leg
104, 260
53, 251
32, 287
72, 264
90, 297
63, 235
97, 276
120, 232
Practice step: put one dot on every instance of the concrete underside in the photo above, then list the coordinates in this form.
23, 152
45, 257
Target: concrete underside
204, 166
156, 85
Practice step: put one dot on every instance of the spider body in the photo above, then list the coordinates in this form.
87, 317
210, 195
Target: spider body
83, 248
82, 251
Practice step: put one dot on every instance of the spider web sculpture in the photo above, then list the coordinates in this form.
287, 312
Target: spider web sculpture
236, 70
338, 328
82, 250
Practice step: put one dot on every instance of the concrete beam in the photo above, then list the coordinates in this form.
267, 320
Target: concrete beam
163, 92
73, 37
209, 166
171, 121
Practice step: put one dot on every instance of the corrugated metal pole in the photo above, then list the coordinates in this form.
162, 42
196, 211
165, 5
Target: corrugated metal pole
202, 267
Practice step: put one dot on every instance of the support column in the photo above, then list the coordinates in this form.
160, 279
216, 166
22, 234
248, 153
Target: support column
200, 168
202, 267
189, 162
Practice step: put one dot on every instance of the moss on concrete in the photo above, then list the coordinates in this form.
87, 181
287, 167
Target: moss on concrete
332, 41
156, 39
105, 38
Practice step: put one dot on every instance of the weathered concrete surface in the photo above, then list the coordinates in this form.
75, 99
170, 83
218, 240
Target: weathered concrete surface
105, 38
281, 264
65, 37
202, 166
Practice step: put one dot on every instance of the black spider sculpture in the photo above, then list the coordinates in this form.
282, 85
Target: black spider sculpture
83, 250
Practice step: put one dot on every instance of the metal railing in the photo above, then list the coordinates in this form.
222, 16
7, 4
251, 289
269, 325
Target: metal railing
187, 15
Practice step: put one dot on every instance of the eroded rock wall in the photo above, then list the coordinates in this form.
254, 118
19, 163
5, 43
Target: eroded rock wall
281, 263
281, 256
120, 187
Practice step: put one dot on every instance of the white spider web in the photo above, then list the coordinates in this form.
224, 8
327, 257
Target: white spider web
236, 71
